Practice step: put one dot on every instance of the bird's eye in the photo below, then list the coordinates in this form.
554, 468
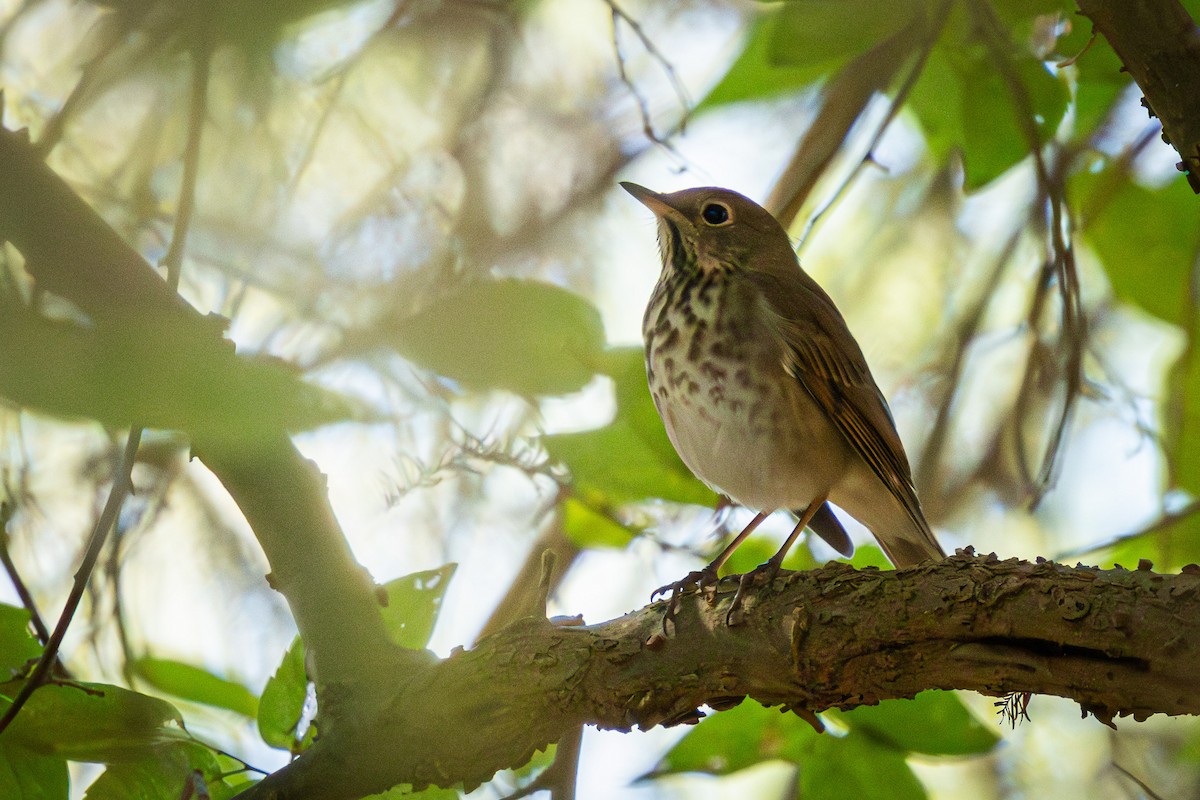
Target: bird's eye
715, 213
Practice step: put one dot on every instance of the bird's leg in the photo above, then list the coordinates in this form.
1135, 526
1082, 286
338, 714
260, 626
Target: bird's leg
767, 571
704, 579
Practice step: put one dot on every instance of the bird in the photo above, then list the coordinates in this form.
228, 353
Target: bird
763, 390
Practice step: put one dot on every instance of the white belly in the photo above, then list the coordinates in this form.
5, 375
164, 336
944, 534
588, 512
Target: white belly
758, 439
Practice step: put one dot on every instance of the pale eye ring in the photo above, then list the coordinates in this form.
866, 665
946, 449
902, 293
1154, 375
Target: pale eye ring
716, 214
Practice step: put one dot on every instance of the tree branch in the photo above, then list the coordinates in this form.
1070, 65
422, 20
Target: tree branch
1159, 45
176, 371
1119, 642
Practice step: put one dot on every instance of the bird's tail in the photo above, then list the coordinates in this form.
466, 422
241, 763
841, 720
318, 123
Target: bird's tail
911, 544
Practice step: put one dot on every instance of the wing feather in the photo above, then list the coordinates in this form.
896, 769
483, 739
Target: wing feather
823, 356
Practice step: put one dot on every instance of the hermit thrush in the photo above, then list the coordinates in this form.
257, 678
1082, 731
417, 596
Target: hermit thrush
763, 390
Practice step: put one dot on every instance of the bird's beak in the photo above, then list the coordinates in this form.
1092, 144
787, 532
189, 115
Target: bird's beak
651, 200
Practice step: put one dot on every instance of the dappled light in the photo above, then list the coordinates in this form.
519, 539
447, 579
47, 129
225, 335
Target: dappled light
321, 342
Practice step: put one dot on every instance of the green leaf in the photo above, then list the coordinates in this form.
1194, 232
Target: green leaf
413, 605
282, 701
527, 337
152, 374
28, 775
933, 723
17, 644
618, 466
95, 722
1168, 548
856, 766
963, 102
801, 42
1147, 239
1185, 450
993, 141
196, 684
830, 32
1014, 11
160, 775
631, 459
1099, 79
755, 75
587, 527
741, 737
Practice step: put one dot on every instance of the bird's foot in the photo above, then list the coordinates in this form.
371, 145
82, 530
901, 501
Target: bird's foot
703, 579
761, 575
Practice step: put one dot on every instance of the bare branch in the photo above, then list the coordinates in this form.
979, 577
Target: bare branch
643, 104
121, 488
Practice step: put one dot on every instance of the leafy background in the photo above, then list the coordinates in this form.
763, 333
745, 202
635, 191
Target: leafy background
415, 204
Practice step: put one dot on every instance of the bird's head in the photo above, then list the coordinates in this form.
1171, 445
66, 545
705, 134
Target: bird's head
710, 228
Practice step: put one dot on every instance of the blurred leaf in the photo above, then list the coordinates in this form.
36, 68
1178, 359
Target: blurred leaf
1147, 239
196, 684
933, 723
1185, 449
1099, 79
527, 337
616, 465
589, 528
156, 375
17, 644
936, 100
755, 75
282, 701
631, 459
741, 737
26, 775
1014, 11
1168, 548
993, 141
161, 775
801, 42
257, 26
413, 605
830, 32
856, 766
963, 102
869, 555
627, 368
95, 722
752, 552
254, 28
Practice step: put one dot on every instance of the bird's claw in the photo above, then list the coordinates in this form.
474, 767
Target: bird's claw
762, 574
703, 579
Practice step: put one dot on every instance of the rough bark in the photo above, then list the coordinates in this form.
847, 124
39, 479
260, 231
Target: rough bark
1119, 642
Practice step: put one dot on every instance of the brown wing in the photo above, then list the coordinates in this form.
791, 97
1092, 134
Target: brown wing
824, 357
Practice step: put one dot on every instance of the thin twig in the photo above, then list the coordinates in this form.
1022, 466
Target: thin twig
910, 80
642, 103
173, 260
122, 487
1140, 783
15, 577
1059, 268
1164, 521
968, 327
